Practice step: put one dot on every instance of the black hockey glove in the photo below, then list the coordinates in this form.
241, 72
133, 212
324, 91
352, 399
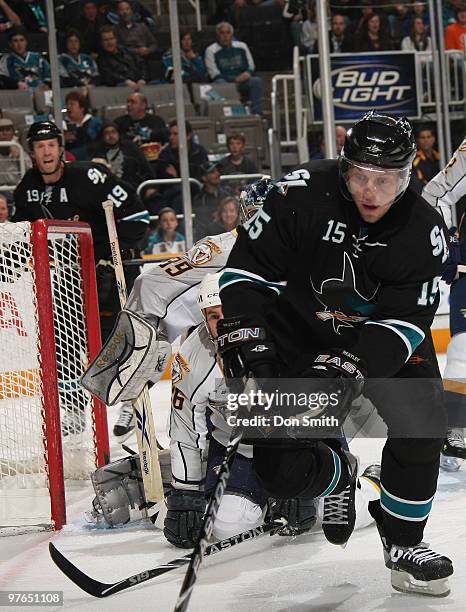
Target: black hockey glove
345, 374
246, 349
183, 521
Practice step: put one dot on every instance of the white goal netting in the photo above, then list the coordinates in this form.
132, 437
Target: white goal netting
30, 362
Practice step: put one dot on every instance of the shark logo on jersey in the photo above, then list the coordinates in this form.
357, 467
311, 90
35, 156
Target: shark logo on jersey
179, 368
336, 294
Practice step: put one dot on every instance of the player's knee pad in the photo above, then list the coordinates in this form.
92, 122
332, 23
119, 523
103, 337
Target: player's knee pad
414, 451
235, 515
456, 357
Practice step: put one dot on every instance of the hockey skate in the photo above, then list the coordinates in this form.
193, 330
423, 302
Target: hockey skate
453, 450
124, 426
417, 569
339, 515
301, 514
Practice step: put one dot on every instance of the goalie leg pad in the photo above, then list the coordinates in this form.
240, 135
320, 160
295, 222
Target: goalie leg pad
130, 357
119, 491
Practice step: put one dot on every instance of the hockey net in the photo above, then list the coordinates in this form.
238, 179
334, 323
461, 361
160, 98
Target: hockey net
50, 428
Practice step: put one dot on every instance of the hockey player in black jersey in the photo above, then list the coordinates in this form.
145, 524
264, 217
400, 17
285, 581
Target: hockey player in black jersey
75, 190
335, 280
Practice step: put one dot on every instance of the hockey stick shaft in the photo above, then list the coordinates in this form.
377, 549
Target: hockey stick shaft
103, 589
144, 419
208, 521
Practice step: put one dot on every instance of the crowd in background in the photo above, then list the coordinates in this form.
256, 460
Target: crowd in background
118, 43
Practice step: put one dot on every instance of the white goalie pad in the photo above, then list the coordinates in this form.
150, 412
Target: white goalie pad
130, 358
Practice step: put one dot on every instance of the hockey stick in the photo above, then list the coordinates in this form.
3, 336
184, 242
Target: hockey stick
208, 521
104, 589
144, 419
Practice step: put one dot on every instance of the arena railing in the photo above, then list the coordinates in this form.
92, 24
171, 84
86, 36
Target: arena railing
22, 163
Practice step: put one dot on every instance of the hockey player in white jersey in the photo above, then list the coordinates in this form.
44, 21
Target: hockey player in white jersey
169, 291
199, 411
443, 192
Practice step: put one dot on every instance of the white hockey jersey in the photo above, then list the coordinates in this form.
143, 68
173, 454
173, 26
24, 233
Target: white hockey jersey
198, 387
449, 185
169, 291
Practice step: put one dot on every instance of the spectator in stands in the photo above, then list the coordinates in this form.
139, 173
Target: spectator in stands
25, 69
418, 40
10, 167
374, 35
207, 200
340, 40
33, 15
192, 64
237, 162
77, 69
455, 32
226, 217
89, 26
340, 135
294, 14
82, 128
134, 36
141, 127
400, 23
117, 66
165, 239
124, 157
8, 18
4, 212
169, 157
426, 164
310, 31
229, 60
141, 14
366, 11
420, 10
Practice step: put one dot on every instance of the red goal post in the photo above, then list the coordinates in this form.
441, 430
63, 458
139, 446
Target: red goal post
50, 428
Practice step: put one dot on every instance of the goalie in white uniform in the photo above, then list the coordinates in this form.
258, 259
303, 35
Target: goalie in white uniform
443, 192
168, 292
199, 408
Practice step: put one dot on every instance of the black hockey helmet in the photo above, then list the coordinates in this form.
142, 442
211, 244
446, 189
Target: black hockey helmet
381, 144
380, 140
43, 130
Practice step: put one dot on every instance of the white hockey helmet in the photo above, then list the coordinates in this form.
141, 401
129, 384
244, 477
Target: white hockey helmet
209, 292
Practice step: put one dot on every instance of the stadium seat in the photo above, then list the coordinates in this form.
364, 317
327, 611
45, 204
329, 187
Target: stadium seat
108, 96
110, 113
204, 131
163, 93
20, 117
16, 99
168, 110
225, 91
252, 129
43, 99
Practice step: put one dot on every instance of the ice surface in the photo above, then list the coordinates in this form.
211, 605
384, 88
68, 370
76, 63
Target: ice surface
305, 574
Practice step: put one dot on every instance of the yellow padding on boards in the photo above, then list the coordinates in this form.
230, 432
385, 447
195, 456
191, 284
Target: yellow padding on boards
441, 339
455, 386
19, 383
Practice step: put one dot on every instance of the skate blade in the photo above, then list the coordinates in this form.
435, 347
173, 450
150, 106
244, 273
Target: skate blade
124, 437
449, 464
405, 583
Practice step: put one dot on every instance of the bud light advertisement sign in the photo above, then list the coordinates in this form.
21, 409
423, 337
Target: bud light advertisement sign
385, 82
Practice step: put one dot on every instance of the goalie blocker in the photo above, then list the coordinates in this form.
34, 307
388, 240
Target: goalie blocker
130, 358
